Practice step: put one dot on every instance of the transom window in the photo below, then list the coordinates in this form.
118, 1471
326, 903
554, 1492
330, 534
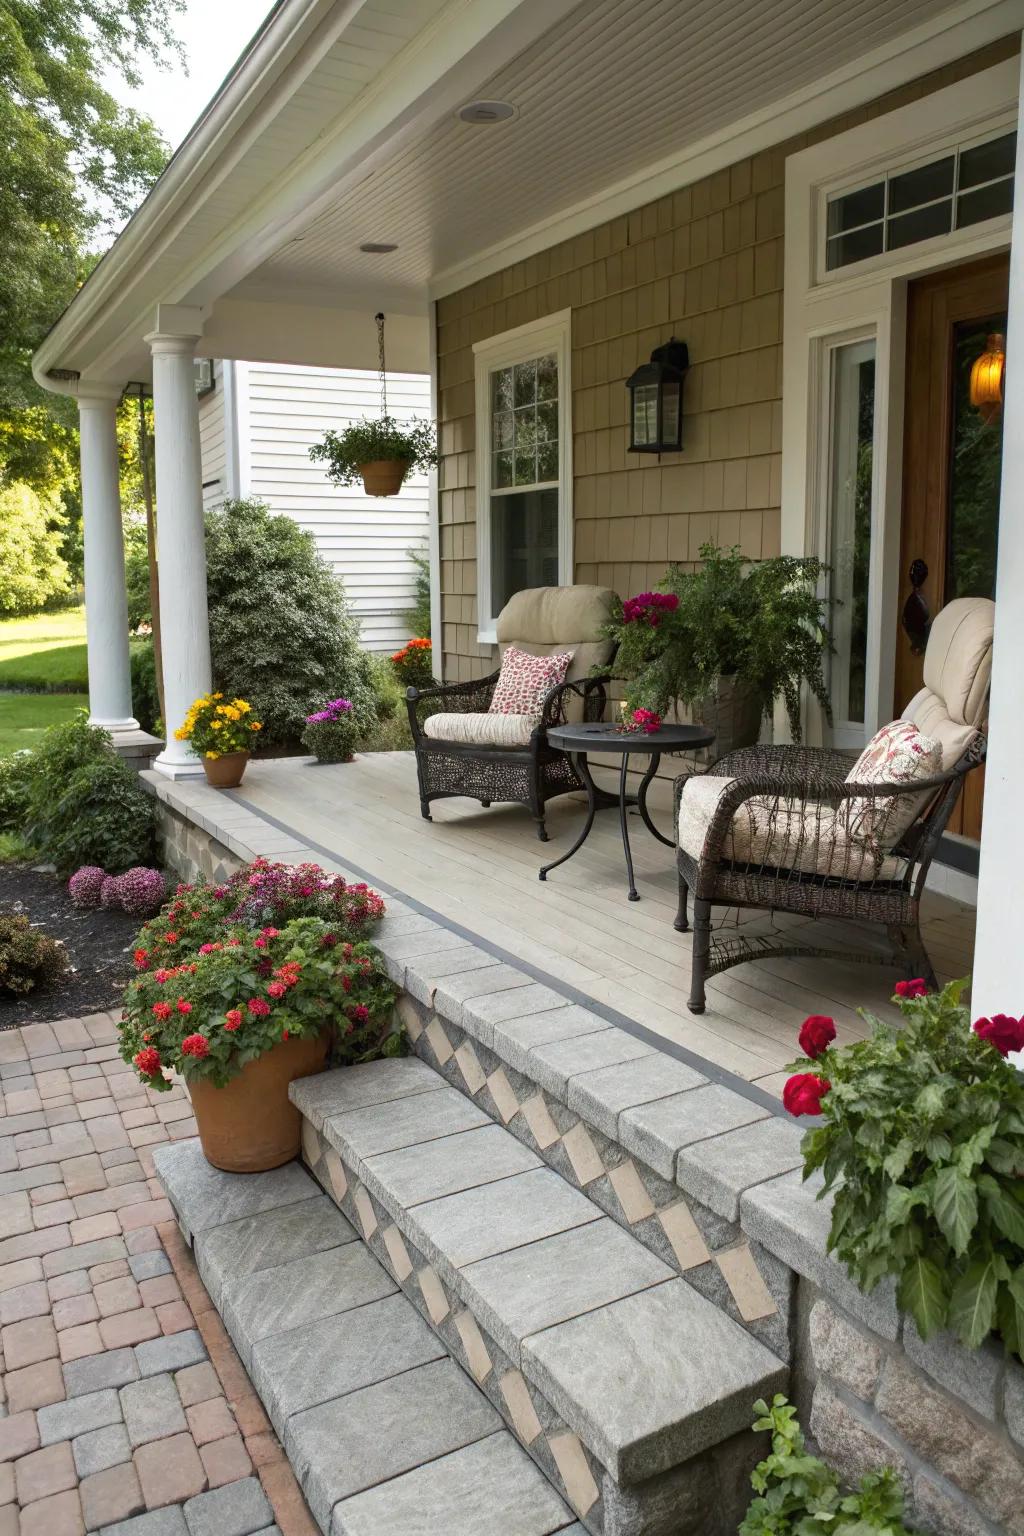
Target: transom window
964, 186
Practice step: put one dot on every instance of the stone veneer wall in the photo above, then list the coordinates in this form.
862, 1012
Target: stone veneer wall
192, 852
705, 263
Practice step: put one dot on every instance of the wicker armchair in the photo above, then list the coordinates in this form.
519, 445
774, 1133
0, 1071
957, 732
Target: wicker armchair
498, 765
784, 830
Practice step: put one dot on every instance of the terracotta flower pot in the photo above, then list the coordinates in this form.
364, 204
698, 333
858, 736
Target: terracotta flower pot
251, 1124
383, 477
225, 772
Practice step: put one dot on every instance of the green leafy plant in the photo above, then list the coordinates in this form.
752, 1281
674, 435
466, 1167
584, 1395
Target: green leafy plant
331, 733
922, 1142
84, 805
15, 785
798, 1494
762, 624
412, 443
145, 698
414, 664
241, 995
28, 958
419, 614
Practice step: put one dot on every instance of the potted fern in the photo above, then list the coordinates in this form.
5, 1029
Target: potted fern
725, 641
380, 451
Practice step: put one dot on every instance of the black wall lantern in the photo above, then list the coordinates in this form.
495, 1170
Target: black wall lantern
656, 400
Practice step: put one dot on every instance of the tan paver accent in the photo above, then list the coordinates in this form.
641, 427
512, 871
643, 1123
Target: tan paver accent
520, 1406
752, 1297
477, 1358
439, 1042
631, 1192
574, 1471
398, 1253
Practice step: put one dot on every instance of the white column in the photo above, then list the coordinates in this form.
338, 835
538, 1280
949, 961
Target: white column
998, 969
106, 605
184, 622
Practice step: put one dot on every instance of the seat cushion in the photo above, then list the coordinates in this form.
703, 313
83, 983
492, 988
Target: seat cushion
545, 620
781, 833
525, 681
897, 754
481, 730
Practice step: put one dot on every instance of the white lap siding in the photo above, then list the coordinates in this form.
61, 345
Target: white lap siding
213, 442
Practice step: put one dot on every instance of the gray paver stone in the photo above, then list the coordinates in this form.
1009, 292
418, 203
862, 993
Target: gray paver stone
229, 1253
158, 1522
112, 1368
717, 1171
1013, 1401
152, 1409
601, 1096
480, 1015
63, 1421
403, 1123
238, 1509
554, 1064
146, 1266
325, 1094
517, 1040
172, 1353
305, 1291
101, 1448
204, 1197
456, 991
655, 1132
413, 1175
844, 1351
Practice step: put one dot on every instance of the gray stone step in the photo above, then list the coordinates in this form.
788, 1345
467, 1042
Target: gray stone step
615, 1373
385, 1432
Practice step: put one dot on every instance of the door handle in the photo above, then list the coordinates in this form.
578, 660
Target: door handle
916, 617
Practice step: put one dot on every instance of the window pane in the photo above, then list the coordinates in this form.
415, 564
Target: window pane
976, 454
525, 383
502, 472
922, 224
923, 185
547, 461
524, 543
525, 466
547, 378
501, 390
501, 429
986, 203
547, 420
855, 208
987, 162
852, 447
526, 428
843, 249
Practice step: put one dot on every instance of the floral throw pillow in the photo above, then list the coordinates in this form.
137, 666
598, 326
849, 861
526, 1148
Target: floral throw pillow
897, 754
525, 680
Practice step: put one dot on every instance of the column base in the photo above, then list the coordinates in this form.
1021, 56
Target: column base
115, 727
178, 768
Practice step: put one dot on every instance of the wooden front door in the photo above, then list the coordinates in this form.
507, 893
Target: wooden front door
952, 458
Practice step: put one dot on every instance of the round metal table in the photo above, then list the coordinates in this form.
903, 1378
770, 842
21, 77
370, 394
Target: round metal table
578, 740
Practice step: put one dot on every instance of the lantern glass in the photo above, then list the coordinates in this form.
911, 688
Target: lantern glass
671, 417
645, 415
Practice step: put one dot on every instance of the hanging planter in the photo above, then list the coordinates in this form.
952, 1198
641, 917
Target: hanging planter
379, 451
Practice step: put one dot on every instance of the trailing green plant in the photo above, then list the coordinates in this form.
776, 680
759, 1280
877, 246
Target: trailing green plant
281, 633
28, 958
84, 805
922, 1145
412, 443
419, 613
761, 623
797, 1494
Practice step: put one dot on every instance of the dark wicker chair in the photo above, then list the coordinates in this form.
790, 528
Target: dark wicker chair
540, 620
801, 848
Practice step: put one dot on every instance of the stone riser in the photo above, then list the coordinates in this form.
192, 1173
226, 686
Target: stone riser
713, 1254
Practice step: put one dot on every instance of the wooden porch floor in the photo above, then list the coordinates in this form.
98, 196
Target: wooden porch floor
478, 869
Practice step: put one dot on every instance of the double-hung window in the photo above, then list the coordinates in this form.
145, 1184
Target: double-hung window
523, 464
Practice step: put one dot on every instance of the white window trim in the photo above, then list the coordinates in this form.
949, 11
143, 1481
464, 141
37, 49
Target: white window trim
863, 300
551, 334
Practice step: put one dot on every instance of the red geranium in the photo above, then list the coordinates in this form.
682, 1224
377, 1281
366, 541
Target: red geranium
148, 1061
141, 958
195, 1045
258, 1006
908, 989
183, 1007
233, 1019
276, 989
1005, 1033
162, 1010
804, 1092
816, 1034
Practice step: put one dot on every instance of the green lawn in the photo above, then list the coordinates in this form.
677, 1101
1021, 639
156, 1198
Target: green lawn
25, 716
45, 652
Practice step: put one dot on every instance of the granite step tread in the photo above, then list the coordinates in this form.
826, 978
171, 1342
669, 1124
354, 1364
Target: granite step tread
384, 1430
641, 1367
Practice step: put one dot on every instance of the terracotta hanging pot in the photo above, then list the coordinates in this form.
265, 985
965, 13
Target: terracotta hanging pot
251, 1124
384, 477
225, 772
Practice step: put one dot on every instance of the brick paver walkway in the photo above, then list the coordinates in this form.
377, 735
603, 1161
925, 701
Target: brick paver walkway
125, 1409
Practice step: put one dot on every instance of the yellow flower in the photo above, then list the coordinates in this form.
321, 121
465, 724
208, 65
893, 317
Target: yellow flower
218, 695
213, 755
182, 734
216, 724
242, 705
254, 725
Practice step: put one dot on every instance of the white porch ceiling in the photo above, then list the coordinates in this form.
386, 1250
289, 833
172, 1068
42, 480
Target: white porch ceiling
611, 90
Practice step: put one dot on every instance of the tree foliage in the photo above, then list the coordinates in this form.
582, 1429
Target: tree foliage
32, 569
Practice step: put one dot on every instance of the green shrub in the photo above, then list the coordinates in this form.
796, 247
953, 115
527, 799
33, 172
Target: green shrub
419, 614
15, 781
136, 575
331, 733
281, 633
145, 699
28, 959
389, 696
800, 1495
84, 804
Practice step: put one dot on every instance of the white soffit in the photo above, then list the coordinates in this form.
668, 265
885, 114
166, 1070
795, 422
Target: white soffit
601, 98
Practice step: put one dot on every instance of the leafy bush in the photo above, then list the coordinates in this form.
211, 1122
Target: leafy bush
800, 1495
413, 443
281, 632
15, 782
32, 569
419, 614
84, 804
241, 995
145, 698
332, 732
414, 663
923, 1142
388, 694
28, 959
136, 574
761, 623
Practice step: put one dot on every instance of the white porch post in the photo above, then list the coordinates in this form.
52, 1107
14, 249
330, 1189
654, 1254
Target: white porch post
999, 955
106, 605
184, 620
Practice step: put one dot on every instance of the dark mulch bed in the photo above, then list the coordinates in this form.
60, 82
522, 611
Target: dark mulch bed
98, 942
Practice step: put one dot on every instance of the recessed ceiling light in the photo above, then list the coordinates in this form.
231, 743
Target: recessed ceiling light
378, 247
487, 112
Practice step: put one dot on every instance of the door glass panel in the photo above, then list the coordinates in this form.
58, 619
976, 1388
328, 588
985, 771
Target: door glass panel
976, 452
851, 464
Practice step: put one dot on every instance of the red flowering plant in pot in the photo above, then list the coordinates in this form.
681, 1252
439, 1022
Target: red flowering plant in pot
921, 1144
246, 1014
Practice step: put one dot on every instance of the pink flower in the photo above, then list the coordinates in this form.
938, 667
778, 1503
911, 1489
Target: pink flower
276, 989
161, 975
162, 1010
260, 943
183, 1007
206, 949
359, 1014
258, 1006
270, 933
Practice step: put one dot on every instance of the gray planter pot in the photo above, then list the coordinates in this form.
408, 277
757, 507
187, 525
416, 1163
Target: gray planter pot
733, 713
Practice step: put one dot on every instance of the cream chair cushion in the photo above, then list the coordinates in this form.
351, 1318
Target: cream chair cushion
782, 833
543, 620
952, 705
481, 730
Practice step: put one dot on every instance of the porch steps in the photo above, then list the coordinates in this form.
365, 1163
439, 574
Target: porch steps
387, 1435
630, 1389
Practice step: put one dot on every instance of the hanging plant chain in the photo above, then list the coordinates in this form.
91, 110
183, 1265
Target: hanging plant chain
379, 317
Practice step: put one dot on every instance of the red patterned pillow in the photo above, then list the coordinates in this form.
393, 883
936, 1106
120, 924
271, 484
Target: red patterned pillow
525, 681
897, 754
